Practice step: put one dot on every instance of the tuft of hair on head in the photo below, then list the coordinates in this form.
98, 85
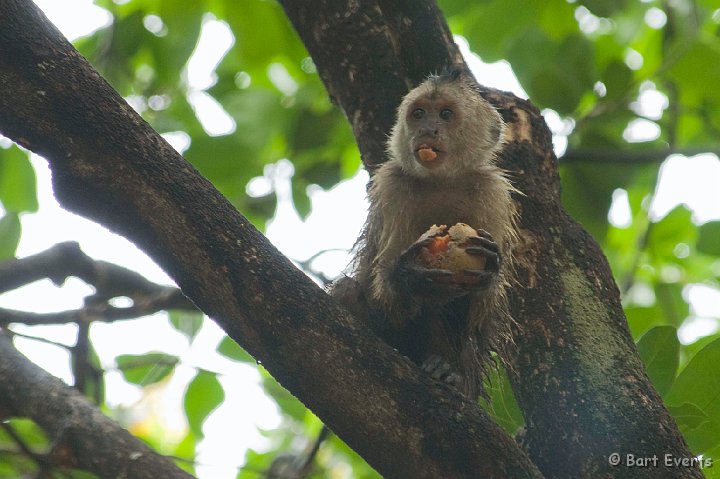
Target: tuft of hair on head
457, 76
452, 74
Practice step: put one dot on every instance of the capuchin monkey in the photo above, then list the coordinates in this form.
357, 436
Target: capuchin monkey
441, 170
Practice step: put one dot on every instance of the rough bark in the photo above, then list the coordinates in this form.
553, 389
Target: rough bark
578, 378
82, 437
577, 375
110, 166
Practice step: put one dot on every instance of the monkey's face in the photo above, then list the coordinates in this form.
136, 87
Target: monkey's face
430, 124
445, 130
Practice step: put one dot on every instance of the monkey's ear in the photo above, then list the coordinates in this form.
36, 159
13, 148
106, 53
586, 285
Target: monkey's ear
495, 132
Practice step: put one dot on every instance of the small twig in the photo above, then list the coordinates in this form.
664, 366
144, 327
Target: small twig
306, 265
310, 457
80, 357
38, 338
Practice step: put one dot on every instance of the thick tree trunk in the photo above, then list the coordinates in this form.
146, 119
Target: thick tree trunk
576, 373
110, 166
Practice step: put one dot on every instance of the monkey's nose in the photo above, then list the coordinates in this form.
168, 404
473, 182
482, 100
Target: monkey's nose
428, 131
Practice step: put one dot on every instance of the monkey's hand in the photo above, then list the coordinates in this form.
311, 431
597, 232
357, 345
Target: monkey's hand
483, 245
427, 281
449, 266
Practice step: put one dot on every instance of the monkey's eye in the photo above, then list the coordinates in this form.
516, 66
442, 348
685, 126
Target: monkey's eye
418, 113
446, 113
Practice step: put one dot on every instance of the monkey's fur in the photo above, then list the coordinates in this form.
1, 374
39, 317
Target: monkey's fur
422, 317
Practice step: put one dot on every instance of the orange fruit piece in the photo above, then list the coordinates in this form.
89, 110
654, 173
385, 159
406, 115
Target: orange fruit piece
427, 154
439, 244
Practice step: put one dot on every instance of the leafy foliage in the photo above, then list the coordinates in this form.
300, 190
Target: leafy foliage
694, 399
146, 369
203, 395
659, 349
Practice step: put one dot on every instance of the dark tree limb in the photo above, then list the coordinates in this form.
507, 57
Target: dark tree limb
102, 312
577, 375
109, 280
110, 166
63, 260
631, 157
82, 436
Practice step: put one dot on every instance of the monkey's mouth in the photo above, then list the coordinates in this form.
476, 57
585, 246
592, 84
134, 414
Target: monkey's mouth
427, 154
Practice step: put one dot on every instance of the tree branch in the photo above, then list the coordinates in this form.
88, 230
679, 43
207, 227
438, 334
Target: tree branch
67, 259
110, 166
104, 313
83, 437
643, 156
109, 280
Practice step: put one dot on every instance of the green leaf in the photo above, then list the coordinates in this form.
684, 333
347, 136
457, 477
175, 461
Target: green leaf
256, 461
710, 463
147, 368
700, 60
491, 38
204, 394
502, 405
551, 88
641, 319
557, 18
676, 227
187, 323
690, 350
688, 415
672, 303
9, 235
183, 22
262, 33
659, 349
618, 80
186, 449
231, 349
604, 8
700, 431
226, 161
709, 238
698, 385
17, 181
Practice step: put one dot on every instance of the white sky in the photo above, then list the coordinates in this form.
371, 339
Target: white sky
692, 181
